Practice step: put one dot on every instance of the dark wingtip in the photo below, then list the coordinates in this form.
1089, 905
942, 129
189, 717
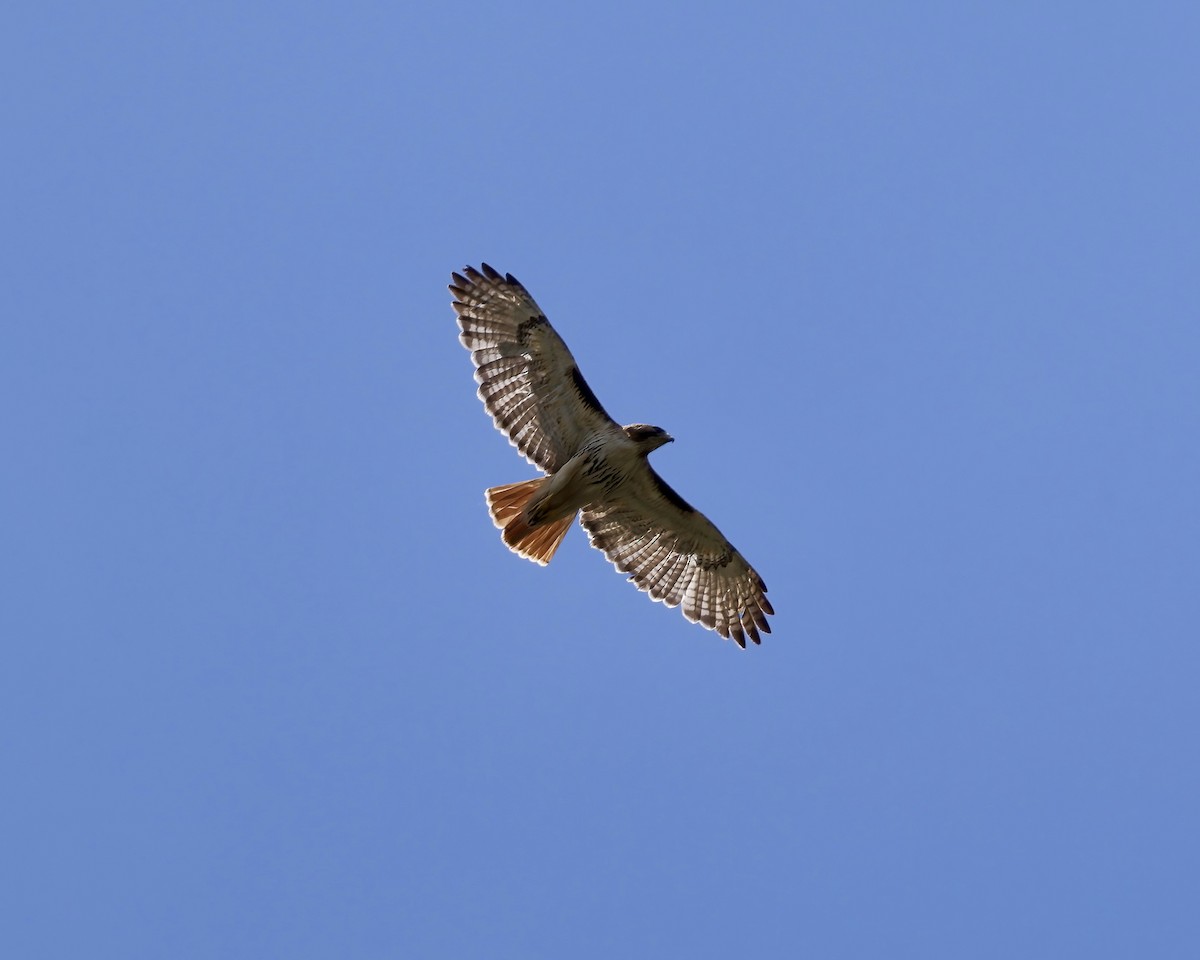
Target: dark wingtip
489, 271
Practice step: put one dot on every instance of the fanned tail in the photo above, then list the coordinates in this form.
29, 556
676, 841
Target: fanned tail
507, 504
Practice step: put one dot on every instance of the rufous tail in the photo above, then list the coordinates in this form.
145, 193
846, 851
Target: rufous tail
507, 504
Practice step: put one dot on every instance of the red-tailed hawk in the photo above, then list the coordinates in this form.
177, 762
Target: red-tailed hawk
532, 387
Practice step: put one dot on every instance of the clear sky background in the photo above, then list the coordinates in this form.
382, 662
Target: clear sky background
915, 286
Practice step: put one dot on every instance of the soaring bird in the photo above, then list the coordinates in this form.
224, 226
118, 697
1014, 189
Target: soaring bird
593, 467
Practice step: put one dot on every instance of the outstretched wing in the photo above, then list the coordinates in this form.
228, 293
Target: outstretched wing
674, 553
528, 380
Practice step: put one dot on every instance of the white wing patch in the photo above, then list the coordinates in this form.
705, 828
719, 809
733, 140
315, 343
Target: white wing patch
528, 380
675, 554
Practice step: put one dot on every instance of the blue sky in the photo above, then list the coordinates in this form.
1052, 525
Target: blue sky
915, 288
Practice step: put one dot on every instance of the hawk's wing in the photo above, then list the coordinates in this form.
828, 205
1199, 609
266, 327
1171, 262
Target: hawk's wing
674, 553
528, 379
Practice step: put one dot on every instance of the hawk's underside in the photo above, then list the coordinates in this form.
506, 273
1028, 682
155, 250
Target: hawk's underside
532, 387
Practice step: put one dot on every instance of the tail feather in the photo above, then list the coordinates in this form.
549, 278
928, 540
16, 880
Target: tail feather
537, 543
509, 499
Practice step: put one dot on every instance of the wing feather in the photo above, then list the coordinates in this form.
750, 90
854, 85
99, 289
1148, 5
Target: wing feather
528, 380
675, 554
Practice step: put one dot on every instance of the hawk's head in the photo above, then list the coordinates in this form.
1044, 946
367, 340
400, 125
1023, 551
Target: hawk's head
647, 437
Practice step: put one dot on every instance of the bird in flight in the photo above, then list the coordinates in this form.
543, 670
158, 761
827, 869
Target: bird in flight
532, 387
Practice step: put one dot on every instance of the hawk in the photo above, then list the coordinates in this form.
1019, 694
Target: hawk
532, 387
